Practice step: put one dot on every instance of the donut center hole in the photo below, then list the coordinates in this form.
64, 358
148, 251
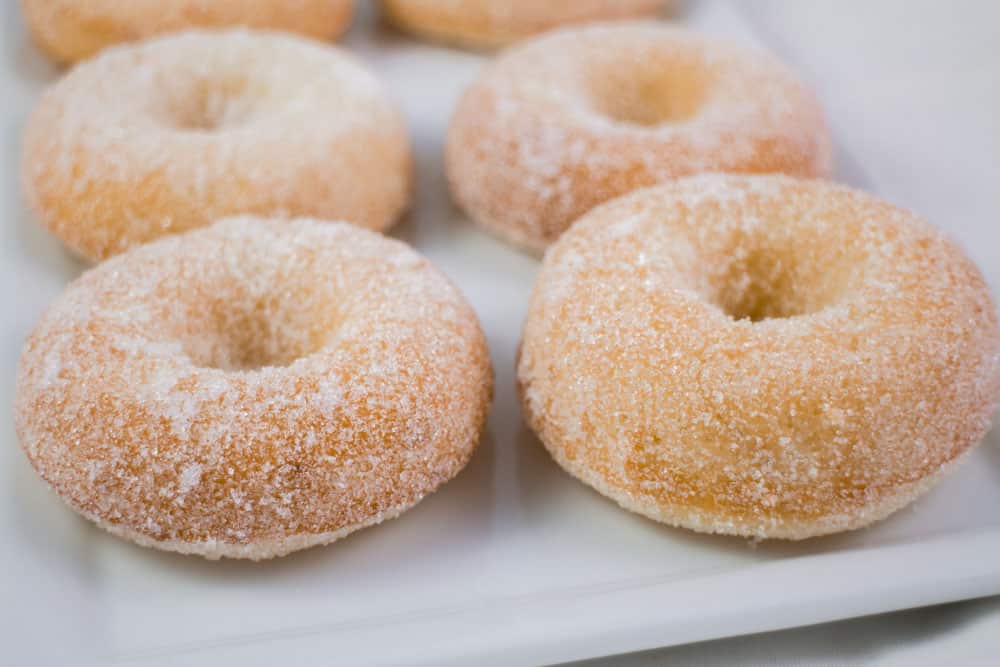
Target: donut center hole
648, 98
759, 302
268, 335
773, 285
211, 106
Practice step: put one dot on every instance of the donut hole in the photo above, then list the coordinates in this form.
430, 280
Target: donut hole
751, 297
768, 283
648, 95
268, 333
210, 105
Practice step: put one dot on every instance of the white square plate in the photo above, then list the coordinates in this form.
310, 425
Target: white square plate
512, 562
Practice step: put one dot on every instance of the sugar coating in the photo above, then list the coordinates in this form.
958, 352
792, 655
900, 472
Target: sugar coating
174, 133
488, 23
564, 122
70, 30
253, 387
758, 355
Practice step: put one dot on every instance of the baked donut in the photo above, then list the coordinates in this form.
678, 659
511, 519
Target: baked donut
758, 355
166, 135
567, 121
70, 30
253, 388
492, 23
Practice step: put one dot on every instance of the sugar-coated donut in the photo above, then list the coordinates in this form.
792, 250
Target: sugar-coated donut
562, 123
491, 23
758, 355
253, 388
70, 30
163, 136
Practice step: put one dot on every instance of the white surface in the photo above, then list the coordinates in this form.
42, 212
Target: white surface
513, 561
962, 633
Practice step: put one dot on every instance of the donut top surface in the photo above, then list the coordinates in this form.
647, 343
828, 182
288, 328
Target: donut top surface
216, 79
561, 123
492, 23
251, 382
200, 86
73, 29
181, 130
761, 354
645, 80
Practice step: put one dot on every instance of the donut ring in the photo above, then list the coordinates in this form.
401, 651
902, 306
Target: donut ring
71, 30
489, 24
570, 120
253, 388
758, 356
167, 135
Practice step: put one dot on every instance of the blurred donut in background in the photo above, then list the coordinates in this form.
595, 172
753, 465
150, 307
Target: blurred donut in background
564, 122
490, 23
175, 132
70, 30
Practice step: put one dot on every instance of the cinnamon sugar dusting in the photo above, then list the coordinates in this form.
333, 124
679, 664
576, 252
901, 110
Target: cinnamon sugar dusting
69, 30
487, 23
759, 356
174, 133
567, 121
253, 387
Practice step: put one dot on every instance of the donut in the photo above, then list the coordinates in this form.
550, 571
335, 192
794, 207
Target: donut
567, 121
253, 387
490, 23
758, 355
174, 133
71, 30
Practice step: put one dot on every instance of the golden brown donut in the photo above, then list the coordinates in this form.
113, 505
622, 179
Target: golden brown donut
167, 135
758, 355
70, 30
567, 121
492, 23
253, 388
